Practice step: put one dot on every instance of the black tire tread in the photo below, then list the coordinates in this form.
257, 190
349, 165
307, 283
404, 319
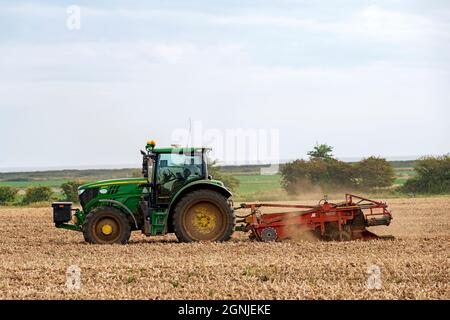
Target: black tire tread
90, 218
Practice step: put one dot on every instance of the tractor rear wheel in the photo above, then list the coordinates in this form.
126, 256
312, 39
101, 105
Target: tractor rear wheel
203, 215
106, 225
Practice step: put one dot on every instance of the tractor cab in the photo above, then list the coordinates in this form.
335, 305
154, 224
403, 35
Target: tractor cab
168, 170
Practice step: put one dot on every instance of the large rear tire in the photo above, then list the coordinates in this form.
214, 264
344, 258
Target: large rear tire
203, 215
106, 225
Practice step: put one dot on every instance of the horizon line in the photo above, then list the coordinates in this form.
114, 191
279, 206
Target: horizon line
133, 166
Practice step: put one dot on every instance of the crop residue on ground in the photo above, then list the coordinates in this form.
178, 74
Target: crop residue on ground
34, 257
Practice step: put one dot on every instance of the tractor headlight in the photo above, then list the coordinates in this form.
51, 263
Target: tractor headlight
80, 192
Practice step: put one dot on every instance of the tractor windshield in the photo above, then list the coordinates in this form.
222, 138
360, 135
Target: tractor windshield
174, 170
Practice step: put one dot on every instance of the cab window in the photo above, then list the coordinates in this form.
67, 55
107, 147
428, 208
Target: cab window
175, 170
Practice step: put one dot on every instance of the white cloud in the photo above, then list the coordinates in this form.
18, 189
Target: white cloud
395, 26
171, 53
76, 91
118, 94
265, 20
374, 22
111, 61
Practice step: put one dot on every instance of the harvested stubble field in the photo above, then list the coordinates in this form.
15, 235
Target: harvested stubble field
35, 256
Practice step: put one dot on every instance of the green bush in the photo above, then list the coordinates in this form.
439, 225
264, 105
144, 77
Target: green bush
229, 181
70, 190
433, 176
37, 194
328, 174
373, 173
295, 176
7, 194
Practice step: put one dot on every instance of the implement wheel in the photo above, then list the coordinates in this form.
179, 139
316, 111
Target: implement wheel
359, 222
332, 232
203, 215
106, 225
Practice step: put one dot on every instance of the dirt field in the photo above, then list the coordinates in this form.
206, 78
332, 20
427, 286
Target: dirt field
34, 257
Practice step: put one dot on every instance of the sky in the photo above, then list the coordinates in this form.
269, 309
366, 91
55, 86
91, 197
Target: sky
366, 77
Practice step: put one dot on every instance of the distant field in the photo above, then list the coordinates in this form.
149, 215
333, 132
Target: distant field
258, 187
405, 171
400, 181
402, 174
26, 184
253, 186
263, 188
257, 183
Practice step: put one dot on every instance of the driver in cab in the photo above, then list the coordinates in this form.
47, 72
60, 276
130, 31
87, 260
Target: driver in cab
173, 177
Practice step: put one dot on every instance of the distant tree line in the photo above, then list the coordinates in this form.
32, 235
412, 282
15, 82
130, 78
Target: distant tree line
84, 174
433, 176
321, 170
324, 171
8, 195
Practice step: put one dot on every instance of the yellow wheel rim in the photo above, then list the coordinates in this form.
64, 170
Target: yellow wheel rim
107, 229
203, 220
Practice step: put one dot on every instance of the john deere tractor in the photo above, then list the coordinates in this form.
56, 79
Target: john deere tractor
174, 195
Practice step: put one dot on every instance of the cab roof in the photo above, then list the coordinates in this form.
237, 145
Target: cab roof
179, 150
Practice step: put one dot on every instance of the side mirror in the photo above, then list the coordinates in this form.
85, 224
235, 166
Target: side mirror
143, 153
209, 177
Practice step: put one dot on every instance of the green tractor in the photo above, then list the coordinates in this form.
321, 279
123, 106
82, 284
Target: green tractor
175, 195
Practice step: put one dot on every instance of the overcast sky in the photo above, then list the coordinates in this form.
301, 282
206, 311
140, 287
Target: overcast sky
367, 77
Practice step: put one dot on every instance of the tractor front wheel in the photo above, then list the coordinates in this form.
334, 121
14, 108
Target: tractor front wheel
106, 225
203, 215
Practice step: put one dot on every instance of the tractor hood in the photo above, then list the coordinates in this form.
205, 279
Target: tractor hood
103, 183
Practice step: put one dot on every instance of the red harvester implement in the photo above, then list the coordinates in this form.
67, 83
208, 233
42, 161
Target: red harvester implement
342, 221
